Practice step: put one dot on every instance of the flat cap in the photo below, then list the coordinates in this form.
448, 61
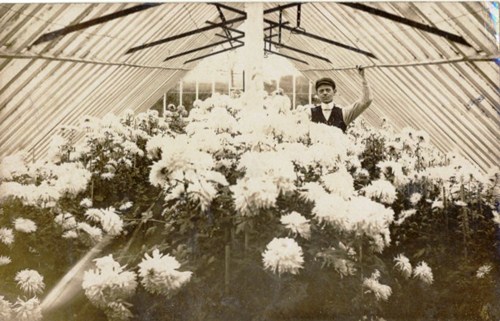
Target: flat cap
325, 81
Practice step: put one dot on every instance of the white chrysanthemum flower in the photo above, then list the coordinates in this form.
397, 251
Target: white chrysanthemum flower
111, 222
403, 265
159, 274
24, 225
404, 215
437, 204
70, 234
118, 311
30, 281
66, 220
93, 214
251, 194
283, 255
483, 271
423, 272
460, 203
5, 309
6, 236
86, 202
107, 176
372, 285
340, 183
496, 219
72, 178
95, 233
298, 224
29, 310
12, 166
4, 260
415, 198
109, 282
125, 206
381, 190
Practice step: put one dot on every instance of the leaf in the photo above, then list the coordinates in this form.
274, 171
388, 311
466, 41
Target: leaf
419, 253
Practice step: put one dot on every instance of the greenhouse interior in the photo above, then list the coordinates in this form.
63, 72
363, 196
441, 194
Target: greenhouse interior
254, 161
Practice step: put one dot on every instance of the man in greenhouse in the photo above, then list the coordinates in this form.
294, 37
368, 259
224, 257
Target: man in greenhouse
333, 115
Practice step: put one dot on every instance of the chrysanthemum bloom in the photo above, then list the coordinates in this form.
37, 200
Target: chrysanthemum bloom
297, 223
30, 281
109, 282
86, 202
66, 220
111, 222
29, 310
340, 183
483, 271
381, 190
404, 215
24, 225
118, 311
6, 236
372, 285
437, 204
4, 260
5, 309
159, 274
283, 255
423, 272
415, 198
71, 234
95, 233
125, 206
403, 265
460, 203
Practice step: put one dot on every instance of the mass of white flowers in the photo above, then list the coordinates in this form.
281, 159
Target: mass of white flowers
372, 285
359, 215
423, 272
297, 224
403, 265
283, 255
30, 281
159, 273
24, 225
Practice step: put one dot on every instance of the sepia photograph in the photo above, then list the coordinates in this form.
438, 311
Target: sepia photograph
250, 161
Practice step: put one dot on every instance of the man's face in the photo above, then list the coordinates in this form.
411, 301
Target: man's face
325, 93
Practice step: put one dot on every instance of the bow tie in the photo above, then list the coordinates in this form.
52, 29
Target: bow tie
326, 107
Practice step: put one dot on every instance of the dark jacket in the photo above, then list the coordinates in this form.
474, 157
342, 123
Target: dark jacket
336, 118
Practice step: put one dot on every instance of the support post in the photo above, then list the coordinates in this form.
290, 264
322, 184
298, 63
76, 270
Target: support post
310, 92
254, 43
164, 104
180, 93
294, 89
197, 89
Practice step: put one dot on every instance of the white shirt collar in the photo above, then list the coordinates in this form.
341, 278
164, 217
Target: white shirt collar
328, 106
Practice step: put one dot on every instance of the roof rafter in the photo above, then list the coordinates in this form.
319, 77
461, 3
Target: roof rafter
408, 22
119, 14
